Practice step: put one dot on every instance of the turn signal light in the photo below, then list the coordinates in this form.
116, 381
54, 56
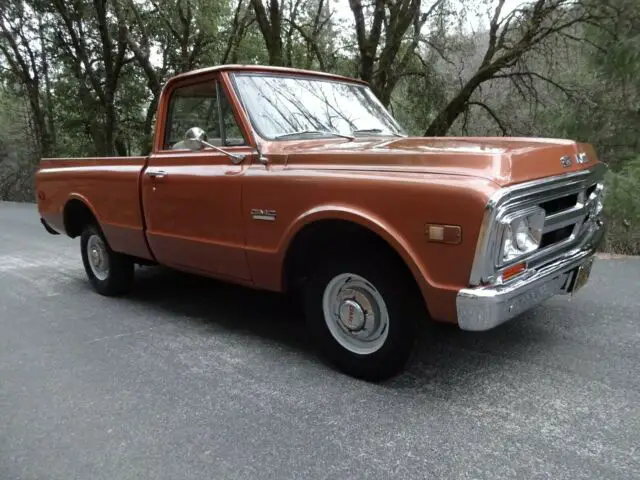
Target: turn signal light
443, 233
513, 270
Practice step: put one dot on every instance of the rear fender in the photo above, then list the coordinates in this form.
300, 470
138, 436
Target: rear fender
85, 201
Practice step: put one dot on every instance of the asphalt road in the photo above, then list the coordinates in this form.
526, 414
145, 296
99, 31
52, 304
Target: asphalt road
194, 379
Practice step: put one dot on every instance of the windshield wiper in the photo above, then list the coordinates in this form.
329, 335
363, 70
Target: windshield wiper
375, 130
320, 132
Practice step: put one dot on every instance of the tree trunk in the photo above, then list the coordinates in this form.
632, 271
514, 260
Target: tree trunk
51, 141
148, 124
271, 28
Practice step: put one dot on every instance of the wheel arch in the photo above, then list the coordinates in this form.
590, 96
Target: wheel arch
76, 214
312, 228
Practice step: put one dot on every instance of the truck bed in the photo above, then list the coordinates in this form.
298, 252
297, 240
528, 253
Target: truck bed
109, 186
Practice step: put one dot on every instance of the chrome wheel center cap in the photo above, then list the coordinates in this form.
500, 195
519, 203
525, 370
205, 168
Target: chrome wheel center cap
352, 315
97, 257
355, 313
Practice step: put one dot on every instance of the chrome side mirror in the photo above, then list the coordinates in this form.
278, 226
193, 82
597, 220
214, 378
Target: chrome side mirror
196, 138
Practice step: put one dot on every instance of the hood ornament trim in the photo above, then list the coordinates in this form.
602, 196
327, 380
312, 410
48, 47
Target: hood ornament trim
582, 158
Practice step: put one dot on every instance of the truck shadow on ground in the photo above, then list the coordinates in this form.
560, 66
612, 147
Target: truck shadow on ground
443, 351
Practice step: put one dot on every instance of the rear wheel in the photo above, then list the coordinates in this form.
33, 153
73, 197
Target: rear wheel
364, 315
109, 272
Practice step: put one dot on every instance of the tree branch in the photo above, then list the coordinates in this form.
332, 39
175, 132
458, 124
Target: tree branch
492, 115
310, 42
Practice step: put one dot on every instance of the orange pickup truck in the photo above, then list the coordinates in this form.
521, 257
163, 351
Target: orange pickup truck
300, 181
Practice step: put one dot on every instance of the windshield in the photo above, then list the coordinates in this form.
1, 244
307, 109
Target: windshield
286, 107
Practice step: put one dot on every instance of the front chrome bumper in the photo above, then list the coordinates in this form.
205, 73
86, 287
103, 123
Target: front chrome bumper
483, 308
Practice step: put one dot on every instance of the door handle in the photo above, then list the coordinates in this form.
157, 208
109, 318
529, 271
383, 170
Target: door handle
156, 174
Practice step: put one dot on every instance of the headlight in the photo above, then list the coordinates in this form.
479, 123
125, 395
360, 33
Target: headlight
522, 233
599, 205
599, 201
595, 202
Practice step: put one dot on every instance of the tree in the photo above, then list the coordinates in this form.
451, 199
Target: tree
94, 47
186, 32
22, 44
394, 20
511, 38
270, 25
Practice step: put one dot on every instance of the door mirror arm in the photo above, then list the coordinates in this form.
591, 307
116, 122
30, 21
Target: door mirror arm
236, 158
196, 138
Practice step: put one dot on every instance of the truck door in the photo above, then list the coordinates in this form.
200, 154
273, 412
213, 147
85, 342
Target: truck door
192, 200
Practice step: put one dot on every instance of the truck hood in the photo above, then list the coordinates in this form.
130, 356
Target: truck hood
502, 160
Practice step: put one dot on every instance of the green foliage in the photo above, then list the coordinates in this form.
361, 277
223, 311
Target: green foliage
622, 209
416, 99
604, 105
18, 151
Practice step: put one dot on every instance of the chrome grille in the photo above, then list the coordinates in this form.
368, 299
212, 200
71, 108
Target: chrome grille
565, 218
568, 201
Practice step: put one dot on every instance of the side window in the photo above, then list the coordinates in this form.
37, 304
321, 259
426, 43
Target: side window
203, 105
192, 106
231, 133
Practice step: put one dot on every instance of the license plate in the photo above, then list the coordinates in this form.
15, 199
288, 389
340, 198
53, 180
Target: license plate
582, 276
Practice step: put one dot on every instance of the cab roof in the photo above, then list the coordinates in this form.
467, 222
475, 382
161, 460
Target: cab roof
262, 69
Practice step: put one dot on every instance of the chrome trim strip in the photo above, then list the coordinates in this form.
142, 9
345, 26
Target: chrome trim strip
514, 197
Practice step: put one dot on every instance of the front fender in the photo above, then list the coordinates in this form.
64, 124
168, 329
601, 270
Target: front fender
364, 219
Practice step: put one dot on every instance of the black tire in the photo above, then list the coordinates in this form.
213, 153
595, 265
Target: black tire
404, 306
118, 279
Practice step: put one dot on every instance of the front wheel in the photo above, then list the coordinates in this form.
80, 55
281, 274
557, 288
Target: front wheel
109, 272
364, 317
